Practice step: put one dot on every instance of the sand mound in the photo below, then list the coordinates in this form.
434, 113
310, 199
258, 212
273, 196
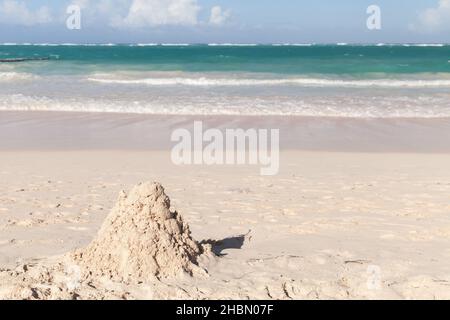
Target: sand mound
142, 239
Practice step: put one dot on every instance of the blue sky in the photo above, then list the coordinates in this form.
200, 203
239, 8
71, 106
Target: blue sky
219, 21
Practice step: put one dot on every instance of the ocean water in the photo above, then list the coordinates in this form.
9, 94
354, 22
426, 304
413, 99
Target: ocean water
300, 80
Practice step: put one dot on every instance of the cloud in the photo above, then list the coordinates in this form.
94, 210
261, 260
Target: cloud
218, 16
17, 13
149, 13
123, 14
102, 12
143, 13
435, 19
83, 4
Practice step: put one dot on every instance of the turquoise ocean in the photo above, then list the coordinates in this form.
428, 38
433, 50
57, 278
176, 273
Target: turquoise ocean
383, 81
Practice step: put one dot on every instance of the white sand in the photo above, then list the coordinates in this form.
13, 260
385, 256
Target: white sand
330, 225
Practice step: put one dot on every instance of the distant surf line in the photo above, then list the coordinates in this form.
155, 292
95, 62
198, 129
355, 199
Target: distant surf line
226, 82
230, 44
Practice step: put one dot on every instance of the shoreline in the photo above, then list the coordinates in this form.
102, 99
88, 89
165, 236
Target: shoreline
52, 130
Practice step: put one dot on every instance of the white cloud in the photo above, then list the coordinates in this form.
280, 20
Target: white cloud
106, 12
148, 13
83, 4
116, 13
435, 19
143, 13
219, 16
17, 13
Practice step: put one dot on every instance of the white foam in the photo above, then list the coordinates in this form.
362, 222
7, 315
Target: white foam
232, 44
228, 44
175, 44
429, 45
305, 82
293, 44
47, 44
16, 76
145, 44
334, 106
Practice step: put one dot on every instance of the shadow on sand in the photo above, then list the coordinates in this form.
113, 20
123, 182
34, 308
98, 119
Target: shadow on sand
218, 246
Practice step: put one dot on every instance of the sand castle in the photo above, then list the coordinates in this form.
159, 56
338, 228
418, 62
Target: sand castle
142, 239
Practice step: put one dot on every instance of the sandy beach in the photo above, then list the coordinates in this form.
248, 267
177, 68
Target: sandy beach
210, 152
359, 209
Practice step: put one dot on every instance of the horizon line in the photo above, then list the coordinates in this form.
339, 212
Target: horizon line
225, 44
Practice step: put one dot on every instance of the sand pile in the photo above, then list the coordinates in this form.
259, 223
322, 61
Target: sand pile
141, 239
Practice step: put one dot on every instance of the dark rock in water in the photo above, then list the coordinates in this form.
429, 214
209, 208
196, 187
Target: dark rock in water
24, 59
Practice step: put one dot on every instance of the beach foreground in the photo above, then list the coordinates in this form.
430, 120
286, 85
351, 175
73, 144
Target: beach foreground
330, 225
189, 149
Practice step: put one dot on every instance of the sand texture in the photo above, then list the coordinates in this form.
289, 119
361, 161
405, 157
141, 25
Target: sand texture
329, 226
140, 239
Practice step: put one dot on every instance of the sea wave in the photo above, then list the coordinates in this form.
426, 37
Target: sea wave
293, 44
16, 76
305, 82
145, 44
336, 107
231, 44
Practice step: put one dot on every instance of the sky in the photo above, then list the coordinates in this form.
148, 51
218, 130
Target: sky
224, 21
